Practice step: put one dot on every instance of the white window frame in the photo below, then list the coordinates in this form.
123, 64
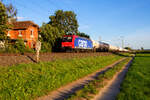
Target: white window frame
20, 33
8, 34
31, 35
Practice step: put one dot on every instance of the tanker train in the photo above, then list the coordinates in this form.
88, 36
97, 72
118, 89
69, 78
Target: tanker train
77, 43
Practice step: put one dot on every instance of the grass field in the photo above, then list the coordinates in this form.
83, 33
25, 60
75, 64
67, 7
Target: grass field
28, 81
94, 86
136, 85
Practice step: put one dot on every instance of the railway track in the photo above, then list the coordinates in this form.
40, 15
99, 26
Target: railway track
13, 59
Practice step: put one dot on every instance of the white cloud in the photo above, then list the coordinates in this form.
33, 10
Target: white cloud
20, 18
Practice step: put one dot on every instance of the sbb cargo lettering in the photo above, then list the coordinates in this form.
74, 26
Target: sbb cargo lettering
82, 43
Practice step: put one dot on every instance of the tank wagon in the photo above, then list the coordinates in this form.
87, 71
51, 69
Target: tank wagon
100, 46
117, 49
103, 46
113, 48
76, 43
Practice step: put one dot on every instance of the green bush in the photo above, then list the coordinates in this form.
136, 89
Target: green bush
46, 47
10, 49
17, 47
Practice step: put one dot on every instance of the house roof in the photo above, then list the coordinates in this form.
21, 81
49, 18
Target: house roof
23, 24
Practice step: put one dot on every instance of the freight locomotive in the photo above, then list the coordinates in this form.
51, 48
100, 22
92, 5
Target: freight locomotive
77, 43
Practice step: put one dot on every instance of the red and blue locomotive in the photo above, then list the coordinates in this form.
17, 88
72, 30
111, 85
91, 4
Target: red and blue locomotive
76, 43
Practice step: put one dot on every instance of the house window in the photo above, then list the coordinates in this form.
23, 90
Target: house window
20, 34
32, 34
8, 34
25, 43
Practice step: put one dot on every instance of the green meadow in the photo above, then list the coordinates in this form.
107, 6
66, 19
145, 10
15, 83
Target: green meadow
136, 85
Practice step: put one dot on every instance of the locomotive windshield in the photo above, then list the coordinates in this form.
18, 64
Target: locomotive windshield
67, 39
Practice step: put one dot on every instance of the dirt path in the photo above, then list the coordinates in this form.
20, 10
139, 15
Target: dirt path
110, 91
64, 92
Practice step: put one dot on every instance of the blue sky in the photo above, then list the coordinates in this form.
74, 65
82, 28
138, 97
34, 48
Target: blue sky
110, 20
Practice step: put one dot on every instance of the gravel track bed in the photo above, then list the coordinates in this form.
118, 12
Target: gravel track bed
13, 59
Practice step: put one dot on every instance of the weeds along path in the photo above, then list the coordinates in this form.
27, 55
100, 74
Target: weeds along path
112, 88
65, 91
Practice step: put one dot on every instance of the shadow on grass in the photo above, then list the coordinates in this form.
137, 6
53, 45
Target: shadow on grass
31, 59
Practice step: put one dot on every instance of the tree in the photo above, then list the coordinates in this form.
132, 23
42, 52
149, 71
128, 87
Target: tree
3, 21
83, 35
62, 22
65, 21
49, 34
142, 48
11, 12
128, 48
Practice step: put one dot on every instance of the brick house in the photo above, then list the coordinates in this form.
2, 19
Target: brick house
26, 30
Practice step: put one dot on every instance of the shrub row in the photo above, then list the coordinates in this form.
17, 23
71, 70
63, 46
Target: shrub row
17, 47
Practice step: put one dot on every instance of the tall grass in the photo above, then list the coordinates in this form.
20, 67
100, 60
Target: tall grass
136, 85
28, 81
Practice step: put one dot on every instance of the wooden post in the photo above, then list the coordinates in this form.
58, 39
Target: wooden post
38, 48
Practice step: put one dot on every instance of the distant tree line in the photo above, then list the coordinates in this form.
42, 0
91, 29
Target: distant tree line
128, 48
